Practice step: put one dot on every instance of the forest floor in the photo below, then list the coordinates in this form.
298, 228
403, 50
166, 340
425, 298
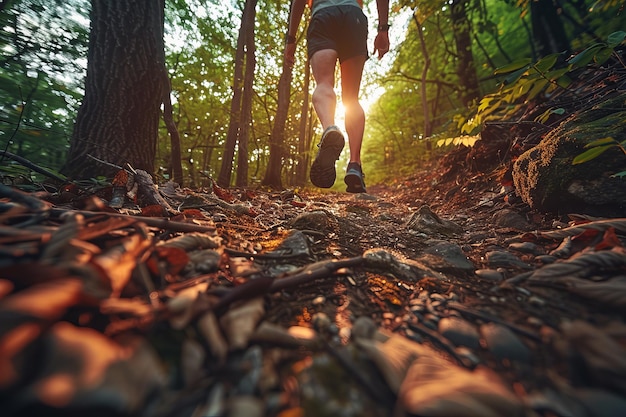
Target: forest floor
441, 294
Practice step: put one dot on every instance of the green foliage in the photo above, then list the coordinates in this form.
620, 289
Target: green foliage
43, 46
525, 80
597, 148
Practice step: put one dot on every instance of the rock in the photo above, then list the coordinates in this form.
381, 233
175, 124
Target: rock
425, 221
315, 220
490, 274
545, 178
504, 344
459, 332
444, 256
510, 219
527, 247
501, 259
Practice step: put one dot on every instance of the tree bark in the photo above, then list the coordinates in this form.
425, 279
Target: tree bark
234, 126
246, 105
119, 116
273, 172
428, 130
175, 157
463, 40
548, 31
304, 138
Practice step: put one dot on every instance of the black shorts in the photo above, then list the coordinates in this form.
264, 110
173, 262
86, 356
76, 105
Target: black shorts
341, 28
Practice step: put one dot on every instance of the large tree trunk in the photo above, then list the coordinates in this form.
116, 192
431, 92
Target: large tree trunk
465, 58
548, 31
234, 125
119, 116
246, 105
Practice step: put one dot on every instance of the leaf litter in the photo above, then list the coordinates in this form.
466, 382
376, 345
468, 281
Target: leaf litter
297, 304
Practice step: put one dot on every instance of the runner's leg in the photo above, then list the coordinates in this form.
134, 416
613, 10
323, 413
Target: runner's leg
324, 98
351, 73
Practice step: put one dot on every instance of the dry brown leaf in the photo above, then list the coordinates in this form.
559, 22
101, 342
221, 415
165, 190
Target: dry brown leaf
604, 357
209, 328
47, 301
84, 369
436, 388
119, 262
240, 321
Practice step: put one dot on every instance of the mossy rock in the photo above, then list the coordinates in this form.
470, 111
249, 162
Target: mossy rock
546, 180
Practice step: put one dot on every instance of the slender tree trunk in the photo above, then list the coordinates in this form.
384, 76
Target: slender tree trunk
304, 141
119, 116
465, 65
427, 123
548, 30
246, 106
175, 157
234, 126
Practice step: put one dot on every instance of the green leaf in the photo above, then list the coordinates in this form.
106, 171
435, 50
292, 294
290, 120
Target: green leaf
556, 74
521, 64
616, 38
537, 88
543, 118
546, 63
564, 81
590, 154
603, 141
586, 56
513, 77
603, 55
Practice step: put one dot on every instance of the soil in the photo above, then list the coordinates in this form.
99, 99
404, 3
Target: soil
323, 282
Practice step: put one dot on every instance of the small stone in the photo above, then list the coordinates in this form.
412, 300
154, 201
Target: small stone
527, 247
546, 259
459, 332
318, 300
490, 274
510, 219
504, 344
497, 259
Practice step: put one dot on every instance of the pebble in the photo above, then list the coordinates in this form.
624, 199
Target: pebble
546, 259
504, 344
489, 274
497, 259
527, 247
459, 332
510, 219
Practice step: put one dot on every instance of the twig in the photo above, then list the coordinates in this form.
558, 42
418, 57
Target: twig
158, 222
34, 167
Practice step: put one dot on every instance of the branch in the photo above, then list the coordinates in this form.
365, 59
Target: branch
34, 167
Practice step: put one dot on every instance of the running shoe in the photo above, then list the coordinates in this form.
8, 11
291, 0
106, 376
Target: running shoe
322, 172
354, 178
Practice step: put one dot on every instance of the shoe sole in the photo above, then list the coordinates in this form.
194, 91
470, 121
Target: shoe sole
354, 183
322, 172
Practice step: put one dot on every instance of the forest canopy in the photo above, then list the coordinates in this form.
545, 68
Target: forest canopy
223, 62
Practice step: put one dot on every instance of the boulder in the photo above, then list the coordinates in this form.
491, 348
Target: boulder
546, 180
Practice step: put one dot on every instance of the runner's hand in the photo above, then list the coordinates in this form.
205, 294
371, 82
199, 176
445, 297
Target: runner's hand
290, 52
381, 44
